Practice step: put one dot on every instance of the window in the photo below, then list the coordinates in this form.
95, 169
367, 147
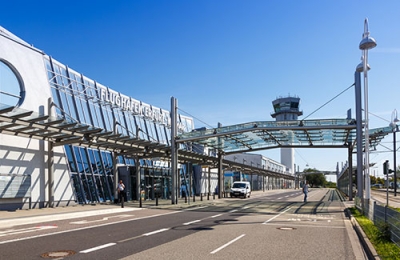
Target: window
12, 91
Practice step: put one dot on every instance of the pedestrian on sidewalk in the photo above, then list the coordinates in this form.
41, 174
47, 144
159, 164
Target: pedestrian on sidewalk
305, 191
121, 192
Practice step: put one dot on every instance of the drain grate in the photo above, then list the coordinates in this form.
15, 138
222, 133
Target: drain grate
286, 228
58, 254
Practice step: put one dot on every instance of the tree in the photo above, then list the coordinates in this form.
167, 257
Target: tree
315, 178
373, 179
380, 180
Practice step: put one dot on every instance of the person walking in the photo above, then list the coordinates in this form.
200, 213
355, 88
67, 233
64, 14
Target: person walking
121, 192
305, 191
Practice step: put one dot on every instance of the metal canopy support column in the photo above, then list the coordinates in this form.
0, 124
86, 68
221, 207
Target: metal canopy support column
174, 150
138, 179
50, 167
350, 173
394, 162
50, 162
359, 136
220, 170
209, 180
220, 175
115, 172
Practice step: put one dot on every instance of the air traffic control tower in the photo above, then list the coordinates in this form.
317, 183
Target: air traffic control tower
285, 109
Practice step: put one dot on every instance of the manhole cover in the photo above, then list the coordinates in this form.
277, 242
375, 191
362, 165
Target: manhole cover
286, 228
58, 254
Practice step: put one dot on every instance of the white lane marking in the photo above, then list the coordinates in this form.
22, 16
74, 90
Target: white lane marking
216, 215
233, 210
307, 225
276, 215
47, 227
99, 220
279, 198
155, 232
194, 208
10, 232
246, 207
97, 248
191, 222
227, 244
83, 228
40, 219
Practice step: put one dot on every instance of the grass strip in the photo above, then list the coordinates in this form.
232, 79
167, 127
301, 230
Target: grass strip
379, 235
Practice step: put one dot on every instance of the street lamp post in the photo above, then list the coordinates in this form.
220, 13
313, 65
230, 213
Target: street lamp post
366, 44
395, 129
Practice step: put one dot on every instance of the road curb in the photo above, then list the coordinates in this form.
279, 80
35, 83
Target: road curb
365, 242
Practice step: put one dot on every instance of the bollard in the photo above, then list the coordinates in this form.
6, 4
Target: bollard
194, 197
185, 199
208, 196
201, 196
214, 196
140, 200
156, 200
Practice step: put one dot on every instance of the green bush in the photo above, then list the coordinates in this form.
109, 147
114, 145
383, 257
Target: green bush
379, 236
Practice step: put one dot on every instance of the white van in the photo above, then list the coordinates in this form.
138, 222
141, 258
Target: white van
241, 189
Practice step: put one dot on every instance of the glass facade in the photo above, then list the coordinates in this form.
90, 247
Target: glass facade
79, 99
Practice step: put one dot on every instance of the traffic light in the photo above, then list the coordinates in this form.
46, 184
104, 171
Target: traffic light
386, 167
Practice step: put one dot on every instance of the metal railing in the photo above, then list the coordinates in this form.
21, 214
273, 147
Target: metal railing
381, 214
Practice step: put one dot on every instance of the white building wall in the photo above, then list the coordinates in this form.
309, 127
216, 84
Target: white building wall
28, 156
287, 159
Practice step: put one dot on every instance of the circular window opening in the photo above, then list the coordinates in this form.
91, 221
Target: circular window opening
12, 91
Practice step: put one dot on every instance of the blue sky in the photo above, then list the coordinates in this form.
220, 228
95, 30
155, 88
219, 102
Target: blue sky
226, 61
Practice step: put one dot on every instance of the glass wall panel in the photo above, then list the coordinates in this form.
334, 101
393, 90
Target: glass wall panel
130, 124
89, 176
108, 168
142, 128
77, 188
102, 194
153, 132
86, 182
71, 161
122, 127
102, 173
99, 185
168, 134
108, 117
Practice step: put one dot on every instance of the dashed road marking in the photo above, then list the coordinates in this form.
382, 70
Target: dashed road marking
227, 244
97, 248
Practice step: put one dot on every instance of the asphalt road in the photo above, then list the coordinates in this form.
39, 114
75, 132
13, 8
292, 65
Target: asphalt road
273, 226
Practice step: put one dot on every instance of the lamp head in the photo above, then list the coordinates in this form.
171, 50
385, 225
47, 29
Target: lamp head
360, 67
367, 42
395, 119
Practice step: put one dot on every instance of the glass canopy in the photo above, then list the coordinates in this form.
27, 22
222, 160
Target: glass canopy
261, 135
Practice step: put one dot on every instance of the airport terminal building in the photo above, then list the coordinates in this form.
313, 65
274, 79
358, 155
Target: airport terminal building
67, 139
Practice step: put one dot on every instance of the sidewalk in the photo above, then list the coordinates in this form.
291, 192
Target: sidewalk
32, 216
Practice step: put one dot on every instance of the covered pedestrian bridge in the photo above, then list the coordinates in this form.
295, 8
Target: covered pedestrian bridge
263, 135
